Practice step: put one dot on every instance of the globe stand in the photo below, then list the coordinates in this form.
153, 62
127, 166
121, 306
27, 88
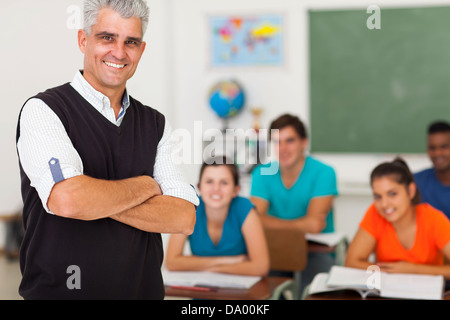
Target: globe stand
225, 126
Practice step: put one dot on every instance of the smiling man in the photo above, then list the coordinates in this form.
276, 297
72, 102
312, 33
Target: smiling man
434, 183
300, 195
98, 182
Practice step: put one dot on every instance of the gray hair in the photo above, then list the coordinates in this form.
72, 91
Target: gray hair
126, 8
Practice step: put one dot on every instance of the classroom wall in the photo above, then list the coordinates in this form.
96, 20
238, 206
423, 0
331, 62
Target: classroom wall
39, 51
278, 90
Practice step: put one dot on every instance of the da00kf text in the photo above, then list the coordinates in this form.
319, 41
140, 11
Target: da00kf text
247, 309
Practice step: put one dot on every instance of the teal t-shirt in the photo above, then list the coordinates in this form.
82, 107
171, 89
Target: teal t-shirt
316, 180
232, 242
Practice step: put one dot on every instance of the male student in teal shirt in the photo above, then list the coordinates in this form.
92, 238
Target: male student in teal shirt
300, 195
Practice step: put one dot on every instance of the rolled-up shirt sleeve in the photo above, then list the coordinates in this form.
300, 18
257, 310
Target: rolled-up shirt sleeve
43, 141
168, 174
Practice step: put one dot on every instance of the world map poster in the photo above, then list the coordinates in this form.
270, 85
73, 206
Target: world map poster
246, 40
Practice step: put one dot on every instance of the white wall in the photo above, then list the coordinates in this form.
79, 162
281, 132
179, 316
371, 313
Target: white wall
39, 51
35, 54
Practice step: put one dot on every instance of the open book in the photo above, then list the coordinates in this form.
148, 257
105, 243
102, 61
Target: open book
372, 282
207, 279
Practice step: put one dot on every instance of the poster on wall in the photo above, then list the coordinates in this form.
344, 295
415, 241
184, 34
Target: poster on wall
255, 40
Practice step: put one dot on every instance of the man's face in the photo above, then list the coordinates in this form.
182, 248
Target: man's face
439, 150
290, 146
112, 51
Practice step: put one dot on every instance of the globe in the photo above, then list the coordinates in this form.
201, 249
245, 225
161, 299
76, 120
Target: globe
227, 99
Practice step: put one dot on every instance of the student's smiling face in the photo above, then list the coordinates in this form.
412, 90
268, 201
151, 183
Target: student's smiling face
217, 187
392, 199
289, 146
112, 50
439, 150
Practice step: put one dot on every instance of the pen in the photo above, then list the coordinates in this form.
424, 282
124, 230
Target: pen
203, 289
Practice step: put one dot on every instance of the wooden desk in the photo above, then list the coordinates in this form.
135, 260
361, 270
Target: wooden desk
339, 250
320, 248
262, 290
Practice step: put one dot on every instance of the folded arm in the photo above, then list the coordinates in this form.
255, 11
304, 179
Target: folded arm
176, 260
85, 198
360, 249
313, 222
160, 214
363, 245
255, 262
418, 268
136, 202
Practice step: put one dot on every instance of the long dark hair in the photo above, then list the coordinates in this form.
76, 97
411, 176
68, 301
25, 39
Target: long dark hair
399, 170
221, 161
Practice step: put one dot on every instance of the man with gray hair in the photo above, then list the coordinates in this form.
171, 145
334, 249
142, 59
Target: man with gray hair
98, 183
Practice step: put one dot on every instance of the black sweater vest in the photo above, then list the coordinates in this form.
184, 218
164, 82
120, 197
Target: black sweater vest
114, 261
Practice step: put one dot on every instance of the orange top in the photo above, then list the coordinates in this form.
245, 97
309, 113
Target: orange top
432, 234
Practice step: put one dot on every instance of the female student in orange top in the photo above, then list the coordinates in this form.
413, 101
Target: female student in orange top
406, 237
228, 235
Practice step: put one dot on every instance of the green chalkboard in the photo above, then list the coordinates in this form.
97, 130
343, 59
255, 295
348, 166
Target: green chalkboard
376, 91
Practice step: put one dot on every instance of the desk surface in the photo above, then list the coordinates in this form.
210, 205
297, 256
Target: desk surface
262, 290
